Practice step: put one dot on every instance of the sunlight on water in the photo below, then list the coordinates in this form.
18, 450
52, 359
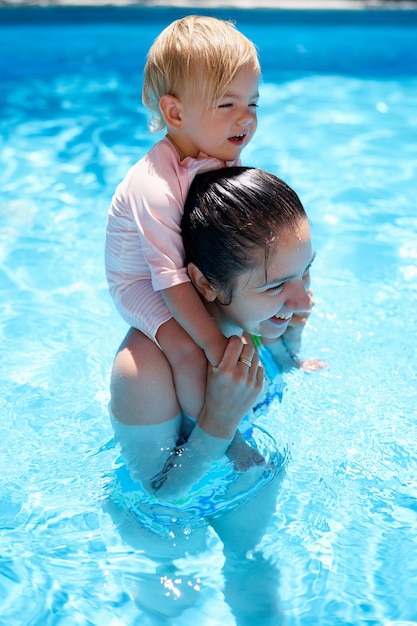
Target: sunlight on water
338, 122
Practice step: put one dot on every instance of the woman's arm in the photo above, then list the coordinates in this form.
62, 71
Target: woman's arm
162, 465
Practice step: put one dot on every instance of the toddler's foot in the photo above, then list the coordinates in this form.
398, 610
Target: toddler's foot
312, 365
243, 456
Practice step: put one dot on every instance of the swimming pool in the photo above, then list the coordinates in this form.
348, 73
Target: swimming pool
338, 121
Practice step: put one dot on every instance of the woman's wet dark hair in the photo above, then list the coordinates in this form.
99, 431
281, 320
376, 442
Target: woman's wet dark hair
230, 215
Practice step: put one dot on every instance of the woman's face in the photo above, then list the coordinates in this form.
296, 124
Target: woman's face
266, 297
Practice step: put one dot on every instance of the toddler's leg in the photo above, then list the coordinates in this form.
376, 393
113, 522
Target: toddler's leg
188, 364
142, 389
242, 454
189, 367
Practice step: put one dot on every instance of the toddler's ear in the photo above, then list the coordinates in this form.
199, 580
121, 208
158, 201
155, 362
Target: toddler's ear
201, 283
171, 111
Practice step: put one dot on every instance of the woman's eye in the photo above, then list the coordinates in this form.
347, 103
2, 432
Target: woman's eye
276, 289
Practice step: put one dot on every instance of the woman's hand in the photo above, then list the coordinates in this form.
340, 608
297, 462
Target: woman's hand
293, 333
286, 349
232, 389
292, 340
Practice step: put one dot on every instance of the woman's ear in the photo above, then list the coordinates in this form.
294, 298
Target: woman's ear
201, 283
171, 111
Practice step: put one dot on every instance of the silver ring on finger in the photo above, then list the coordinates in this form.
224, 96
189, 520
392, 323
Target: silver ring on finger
245, 362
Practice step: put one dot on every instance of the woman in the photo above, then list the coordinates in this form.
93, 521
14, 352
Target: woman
248, 252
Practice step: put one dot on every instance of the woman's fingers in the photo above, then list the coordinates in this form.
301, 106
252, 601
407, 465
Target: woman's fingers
232, 387
242, 362
238, 353
247, 356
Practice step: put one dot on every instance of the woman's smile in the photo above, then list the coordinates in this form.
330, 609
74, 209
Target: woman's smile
281, 320
265, 300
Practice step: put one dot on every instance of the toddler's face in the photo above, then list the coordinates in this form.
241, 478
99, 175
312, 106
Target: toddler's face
224, 131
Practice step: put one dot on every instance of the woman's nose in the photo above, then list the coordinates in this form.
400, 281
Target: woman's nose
299, 298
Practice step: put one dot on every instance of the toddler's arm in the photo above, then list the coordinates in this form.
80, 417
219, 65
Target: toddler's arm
187, 308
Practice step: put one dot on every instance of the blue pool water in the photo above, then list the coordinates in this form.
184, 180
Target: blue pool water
338, 121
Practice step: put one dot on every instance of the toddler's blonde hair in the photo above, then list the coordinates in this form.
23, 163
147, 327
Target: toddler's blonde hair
195, 52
